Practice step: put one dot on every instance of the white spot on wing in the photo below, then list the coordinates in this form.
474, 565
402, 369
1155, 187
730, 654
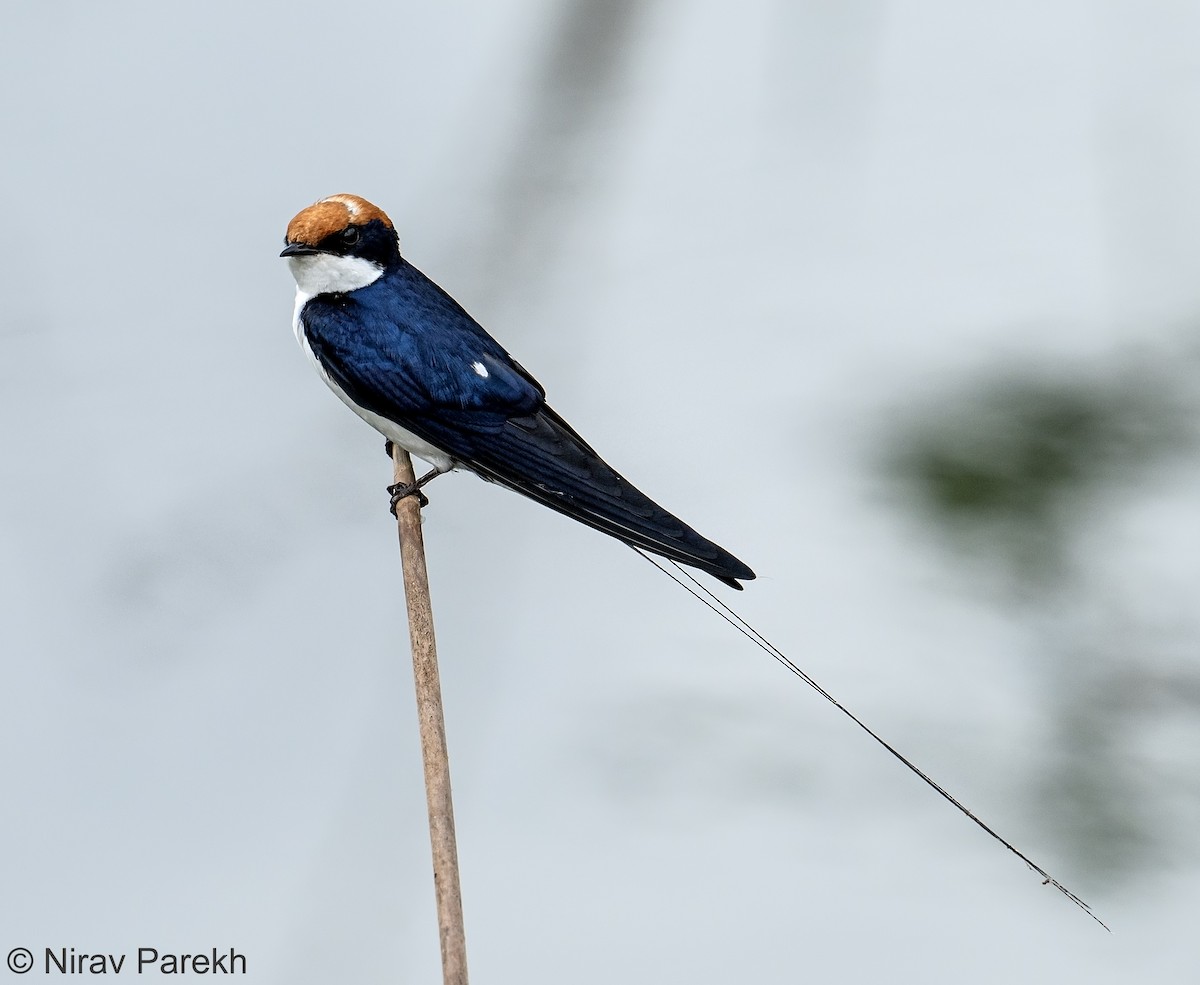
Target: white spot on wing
480, 368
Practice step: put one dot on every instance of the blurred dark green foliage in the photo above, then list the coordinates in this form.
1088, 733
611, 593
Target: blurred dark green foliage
1013, 463
1018, 469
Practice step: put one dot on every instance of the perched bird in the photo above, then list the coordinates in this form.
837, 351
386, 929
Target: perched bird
406, 357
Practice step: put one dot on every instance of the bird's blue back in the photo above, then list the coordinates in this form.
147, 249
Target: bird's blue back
403, 348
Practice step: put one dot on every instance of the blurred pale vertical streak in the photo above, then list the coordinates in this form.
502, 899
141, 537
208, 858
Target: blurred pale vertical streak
578, 82
822, 71
821, 85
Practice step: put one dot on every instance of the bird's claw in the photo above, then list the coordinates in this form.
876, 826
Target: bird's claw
400, 490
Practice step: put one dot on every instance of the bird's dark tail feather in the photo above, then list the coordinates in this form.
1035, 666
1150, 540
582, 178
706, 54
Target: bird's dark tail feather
715, 561
543, 458
722, 609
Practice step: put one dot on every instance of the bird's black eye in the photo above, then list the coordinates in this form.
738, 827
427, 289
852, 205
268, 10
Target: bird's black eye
351, 235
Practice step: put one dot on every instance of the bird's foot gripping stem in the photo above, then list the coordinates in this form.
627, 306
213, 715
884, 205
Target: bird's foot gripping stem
400, 490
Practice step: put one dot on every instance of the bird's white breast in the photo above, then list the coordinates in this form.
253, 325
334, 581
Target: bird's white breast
324, 273
389, 429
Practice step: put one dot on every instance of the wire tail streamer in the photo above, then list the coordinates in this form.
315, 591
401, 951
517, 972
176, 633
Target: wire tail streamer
700, 592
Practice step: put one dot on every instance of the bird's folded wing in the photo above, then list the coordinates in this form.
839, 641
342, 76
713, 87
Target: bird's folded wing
541, 456
458, 383
462, 393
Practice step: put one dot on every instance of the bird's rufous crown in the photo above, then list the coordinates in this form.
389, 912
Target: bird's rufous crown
332, 215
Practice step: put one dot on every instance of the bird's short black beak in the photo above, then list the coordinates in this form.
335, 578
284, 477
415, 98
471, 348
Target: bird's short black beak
298, 250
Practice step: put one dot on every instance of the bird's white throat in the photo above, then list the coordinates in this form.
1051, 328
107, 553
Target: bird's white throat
324, 273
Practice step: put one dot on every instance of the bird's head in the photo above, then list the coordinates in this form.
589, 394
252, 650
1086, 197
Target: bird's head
340, 244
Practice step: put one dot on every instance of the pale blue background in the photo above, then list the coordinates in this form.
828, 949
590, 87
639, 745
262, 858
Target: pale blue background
732, 240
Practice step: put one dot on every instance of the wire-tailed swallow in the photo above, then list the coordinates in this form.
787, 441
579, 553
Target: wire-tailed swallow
406, 357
